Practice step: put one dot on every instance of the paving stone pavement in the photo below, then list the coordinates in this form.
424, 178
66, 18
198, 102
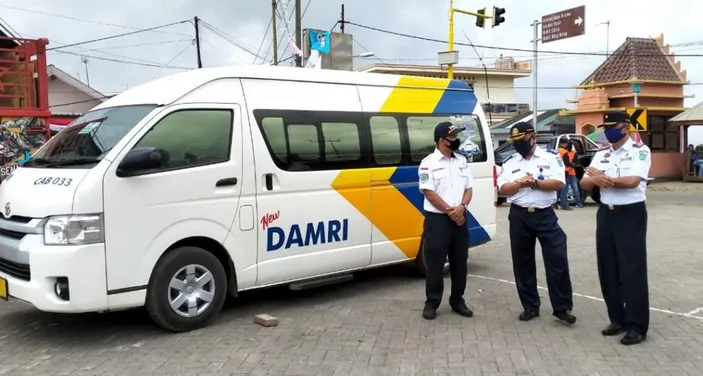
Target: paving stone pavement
373, 325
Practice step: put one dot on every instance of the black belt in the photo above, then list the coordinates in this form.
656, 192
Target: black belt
613, 207
530, 209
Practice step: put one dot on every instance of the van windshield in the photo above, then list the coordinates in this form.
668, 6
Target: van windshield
89, 138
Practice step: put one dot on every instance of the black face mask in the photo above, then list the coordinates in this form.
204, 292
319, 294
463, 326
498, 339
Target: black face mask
453, 144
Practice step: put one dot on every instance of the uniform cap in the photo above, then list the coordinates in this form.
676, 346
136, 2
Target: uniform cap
612, 118
519, 130
445, 129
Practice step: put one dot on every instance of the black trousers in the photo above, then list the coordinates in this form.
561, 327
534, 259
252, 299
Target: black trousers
621, 248
525, 228
443, 237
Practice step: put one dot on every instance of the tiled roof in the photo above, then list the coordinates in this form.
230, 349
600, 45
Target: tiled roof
637, 58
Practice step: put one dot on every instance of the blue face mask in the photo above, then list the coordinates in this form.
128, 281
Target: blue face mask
614, 134
523, 147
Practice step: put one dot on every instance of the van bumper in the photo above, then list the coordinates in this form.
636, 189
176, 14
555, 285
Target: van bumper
82, 265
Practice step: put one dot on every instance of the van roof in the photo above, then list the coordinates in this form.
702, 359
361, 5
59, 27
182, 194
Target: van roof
170, 88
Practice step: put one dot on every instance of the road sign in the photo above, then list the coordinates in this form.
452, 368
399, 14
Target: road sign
565, 24
638, 118
636, 88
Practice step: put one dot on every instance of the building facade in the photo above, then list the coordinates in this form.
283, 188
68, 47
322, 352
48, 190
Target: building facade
647, 63
494, 86
68, 95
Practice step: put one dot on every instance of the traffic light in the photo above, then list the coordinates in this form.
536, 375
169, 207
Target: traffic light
498, 16
480, 21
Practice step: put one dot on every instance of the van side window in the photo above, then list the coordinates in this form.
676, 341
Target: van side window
421, 134
190, 138
385, 140
313, 140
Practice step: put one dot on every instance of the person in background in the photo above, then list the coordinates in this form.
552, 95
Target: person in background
567, 152
696, 161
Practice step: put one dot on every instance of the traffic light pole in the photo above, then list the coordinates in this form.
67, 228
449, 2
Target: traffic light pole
450, 39
535, 46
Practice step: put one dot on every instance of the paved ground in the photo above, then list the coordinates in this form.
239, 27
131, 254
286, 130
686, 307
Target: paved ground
372, 326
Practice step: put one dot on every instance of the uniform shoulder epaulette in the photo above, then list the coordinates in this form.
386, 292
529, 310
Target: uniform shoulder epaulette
604, 148
552, 151
509, 158
637, 145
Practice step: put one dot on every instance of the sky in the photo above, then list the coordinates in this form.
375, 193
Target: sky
229, 25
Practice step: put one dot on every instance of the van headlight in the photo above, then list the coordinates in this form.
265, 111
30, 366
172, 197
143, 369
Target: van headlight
73, 229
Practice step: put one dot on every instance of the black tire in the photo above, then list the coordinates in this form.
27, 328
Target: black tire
157, 297
421, 261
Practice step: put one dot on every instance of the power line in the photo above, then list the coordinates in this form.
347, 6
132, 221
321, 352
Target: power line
234, 41
87, 21
427, 39
264, 39
118, 35
144, 64
140, 45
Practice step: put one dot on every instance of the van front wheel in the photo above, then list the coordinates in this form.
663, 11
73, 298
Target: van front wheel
187, 289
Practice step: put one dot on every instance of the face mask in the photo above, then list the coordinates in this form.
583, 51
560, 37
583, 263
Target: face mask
614, 134
453, 144
523, 147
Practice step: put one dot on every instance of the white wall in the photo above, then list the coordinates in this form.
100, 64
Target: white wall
501, 89
61, 92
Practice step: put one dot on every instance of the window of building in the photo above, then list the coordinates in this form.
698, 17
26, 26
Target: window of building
661, 137
190, 138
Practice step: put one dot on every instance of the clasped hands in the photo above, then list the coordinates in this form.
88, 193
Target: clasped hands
600, 179
526, 181
457, 214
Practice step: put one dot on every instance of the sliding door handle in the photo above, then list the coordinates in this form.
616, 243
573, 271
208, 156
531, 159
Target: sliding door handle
226, 182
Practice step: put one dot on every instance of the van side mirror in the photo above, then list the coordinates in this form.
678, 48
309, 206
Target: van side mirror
140, 160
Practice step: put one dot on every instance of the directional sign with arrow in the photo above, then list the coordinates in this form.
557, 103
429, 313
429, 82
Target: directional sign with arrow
638, 118
565, 24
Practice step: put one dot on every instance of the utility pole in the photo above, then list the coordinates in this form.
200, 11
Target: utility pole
535, 45
298, 33
342, 20
84, 60
274, 20
196, 22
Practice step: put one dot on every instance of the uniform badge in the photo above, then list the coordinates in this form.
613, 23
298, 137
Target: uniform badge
424, 178
518, 170
643, 156
515, 132
560, 163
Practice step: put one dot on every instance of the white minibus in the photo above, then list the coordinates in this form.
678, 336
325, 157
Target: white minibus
183, 191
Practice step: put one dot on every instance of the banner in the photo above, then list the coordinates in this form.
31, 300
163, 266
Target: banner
319, 41
19, 138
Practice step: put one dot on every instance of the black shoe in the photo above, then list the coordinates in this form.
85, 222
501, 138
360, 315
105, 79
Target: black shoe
463, 310
565, 316
632, 338
566, 207
429, 313
528, 315
612, 330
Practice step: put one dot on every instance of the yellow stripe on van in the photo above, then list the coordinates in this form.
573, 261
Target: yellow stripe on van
415, 95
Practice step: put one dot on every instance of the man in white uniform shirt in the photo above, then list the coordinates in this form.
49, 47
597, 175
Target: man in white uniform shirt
446, 181
531, 179
621, 171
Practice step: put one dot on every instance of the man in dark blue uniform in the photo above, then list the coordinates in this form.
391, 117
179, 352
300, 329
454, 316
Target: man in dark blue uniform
621, 171
531, 179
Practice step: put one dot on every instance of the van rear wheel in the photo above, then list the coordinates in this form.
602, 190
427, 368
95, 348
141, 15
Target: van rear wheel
187, 289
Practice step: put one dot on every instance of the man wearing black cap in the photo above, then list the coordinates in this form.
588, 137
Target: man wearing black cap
445, 180
531, 179
621, 172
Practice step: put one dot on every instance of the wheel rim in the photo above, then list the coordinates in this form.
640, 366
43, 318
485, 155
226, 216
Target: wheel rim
191, 291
